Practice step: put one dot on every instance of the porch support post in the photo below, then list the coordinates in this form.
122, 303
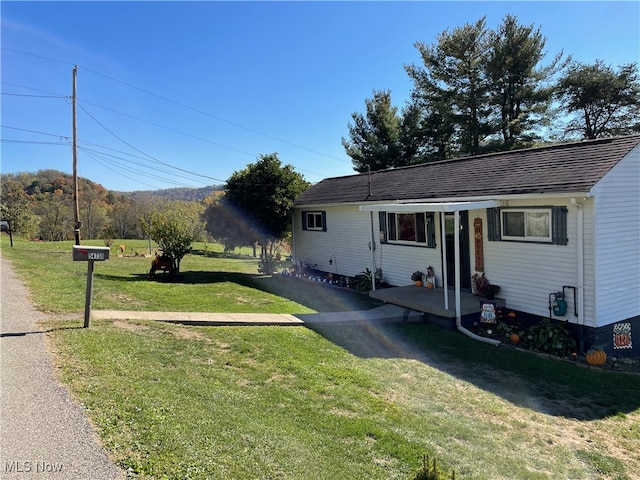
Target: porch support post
445, 276
372, 246
456, 251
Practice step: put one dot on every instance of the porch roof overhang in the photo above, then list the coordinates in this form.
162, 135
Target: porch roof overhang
431, 206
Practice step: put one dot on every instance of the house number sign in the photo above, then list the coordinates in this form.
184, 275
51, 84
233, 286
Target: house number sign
477, 238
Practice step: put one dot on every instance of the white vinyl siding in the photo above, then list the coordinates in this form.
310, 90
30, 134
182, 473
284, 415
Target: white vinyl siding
528, 272
617, 242
347, 239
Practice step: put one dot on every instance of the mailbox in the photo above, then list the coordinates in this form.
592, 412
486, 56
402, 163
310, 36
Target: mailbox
83, 253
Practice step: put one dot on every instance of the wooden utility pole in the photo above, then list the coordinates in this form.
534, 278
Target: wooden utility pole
76, 207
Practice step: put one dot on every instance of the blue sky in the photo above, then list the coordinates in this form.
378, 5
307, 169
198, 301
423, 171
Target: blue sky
167, 88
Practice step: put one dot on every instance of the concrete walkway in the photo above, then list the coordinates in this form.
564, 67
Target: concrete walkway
384, 313
44, 433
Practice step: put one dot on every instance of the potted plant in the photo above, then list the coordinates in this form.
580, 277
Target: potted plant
417, 277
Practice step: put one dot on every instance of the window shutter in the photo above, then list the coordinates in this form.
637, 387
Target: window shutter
324, 221
493, 224
382, 220
304, 220
559, 225
431, 230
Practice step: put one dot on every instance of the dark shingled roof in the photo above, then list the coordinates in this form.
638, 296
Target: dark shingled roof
566, 168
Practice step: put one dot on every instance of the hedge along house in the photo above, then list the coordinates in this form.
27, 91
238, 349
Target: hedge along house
536, 222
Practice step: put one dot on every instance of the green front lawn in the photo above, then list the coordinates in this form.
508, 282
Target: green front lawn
334, 402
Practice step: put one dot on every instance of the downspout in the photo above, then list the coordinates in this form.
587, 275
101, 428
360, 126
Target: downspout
580, 271
293, 237
459, 327
445, 277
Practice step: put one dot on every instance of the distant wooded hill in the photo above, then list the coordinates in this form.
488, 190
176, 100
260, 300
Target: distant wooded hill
40, 205
187, 194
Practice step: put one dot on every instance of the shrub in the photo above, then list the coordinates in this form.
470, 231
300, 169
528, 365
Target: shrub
362, 281
431, 471
550, 337
268, 264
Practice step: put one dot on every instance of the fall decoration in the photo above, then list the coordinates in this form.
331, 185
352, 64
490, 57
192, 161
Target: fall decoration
596, 357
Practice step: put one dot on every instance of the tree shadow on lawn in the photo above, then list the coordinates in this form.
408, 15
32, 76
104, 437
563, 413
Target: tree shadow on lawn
319, 297
546, 385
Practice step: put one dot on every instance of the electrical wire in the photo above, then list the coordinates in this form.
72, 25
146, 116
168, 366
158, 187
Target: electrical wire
146, 154
182, 105
253, 155
138, 172
34, 89
33, 96
34, 131
155, 169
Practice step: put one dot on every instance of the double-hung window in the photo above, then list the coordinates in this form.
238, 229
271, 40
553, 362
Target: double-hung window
530, 224
408, 228
314, 221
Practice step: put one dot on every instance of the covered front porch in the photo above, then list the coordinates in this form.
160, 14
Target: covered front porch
446, 303
429, 301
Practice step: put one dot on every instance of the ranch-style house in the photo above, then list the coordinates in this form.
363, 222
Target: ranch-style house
553, 223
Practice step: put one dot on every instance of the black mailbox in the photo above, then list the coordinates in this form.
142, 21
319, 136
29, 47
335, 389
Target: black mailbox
83, 253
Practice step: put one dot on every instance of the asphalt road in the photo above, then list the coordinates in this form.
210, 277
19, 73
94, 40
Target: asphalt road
44, 433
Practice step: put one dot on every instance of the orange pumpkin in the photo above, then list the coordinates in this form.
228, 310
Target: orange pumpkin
596, 357
515, 338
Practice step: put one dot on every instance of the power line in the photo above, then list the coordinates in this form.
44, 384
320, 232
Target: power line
216, 117
253, 155
133, 170
146, 154
34, 131
183, 105
125, 176
31, 142
155, 169
33, 96
86, 149
36, 56
34, 89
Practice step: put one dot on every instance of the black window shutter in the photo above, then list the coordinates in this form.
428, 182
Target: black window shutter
304, 220
431, 230
324, 221
493, 224
382, 220
559, 225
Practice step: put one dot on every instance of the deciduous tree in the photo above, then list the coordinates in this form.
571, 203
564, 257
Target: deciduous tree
16, 207
257, 204
174, 226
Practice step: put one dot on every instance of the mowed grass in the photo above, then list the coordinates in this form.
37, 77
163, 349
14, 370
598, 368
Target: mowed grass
209, 281
328, 402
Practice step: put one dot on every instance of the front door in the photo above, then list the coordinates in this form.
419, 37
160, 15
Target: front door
465, 267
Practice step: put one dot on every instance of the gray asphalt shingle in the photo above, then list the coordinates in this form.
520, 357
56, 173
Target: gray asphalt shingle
566, 168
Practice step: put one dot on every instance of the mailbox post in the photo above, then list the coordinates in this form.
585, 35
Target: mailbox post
82, 253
